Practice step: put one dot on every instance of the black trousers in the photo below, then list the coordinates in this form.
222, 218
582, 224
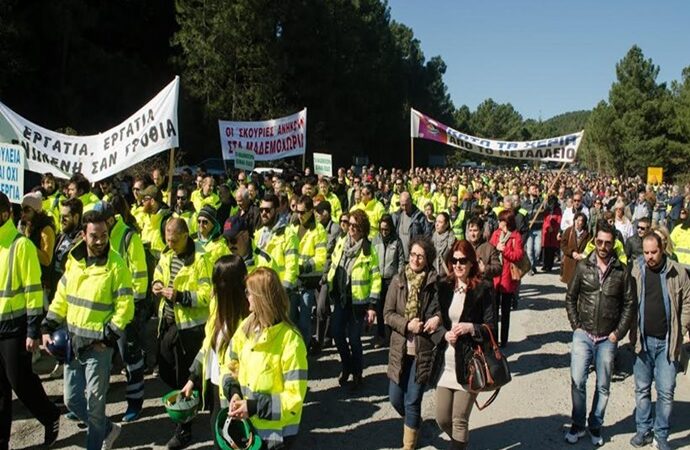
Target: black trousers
502, 303
176, 352
17, 375
382, 330
549, 256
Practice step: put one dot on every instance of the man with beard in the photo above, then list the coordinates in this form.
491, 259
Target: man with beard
663, 290
21, 307
600, 303
156, 215
276, 246
51, 198
238, 239
94, 299
127, 243
70, 221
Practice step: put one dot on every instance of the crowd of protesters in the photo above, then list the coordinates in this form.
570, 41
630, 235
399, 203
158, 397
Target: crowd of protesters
250, 275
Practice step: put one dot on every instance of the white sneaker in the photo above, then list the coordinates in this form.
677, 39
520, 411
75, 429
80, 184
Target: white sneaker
574, 434
597, 440
111, 437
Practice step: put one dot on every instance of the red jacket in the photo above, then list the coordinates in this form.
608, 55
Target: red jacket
551, 227
512, 252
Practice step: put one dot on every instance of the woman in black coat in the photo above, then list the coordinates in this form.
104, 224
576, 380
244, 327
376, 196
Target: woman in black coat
466, 305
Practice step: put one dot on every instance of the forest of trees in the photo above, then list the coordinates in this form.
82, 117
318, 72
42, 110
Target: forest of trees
86, 66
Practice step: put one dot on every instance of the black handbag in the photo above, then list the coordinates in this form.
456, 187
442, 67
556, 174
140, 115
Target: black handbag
488, 368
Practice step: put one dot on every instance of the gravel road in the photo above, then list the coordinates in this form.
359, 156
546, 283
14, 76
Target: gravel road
530, 413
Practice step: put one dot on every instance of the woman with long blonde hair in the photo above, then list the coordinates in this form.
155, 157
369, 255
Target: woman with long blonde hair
268, 364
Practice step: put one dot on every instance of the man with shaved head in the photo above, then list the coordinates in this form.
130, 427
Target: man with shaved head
182, 281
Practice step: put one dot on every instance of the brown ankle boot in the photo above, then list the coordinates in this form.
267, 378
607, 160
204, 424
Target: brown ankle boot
410, 436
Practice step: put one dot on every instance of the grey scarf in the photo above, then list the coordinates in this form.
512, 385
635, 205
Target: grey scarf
345, 266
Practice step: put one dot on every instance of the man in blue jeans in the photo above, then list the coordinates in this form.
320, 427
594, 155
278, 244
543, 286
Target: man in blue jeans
600, 302
534, 214
663, 292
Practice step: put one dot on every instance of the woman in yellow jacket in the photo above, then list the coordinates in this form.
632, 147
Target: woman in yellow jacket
227, 308
268, 364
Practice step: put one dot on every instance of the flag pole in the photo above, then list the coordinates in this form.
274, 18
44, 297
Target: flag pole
171, 169
541, 207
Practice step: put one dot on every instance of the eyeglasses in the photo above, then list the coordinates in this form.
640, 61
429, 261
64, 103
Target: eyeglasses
462, 261
355, 226
414, 255
603, 243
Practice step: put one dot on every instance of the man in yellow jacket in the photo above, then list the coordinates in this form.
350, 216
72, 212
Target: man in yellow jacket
21, 308
312, 253
372, 207
182, 280
94, 300
127, 243
276, 246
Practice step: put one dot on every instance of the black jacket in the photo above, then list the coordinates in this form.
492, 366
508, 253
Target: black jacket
601, 309
478, 310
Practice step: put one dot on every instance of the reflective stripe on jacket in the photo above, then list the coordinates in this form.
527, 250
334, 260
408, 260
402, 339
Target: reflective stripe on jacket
21, 294
279, 253
365, 277
90, 298
192, 285
272, 369
133, 254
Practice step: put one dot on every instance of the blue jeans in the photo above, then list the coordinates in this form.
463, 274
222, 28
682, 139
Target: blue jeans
86, 386
346, 324
584, 351
406, 397
652, 364
533, 247
301, 304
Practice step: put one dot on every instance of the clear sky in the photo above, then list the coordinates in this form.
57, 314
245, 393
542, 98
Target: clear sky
545, 57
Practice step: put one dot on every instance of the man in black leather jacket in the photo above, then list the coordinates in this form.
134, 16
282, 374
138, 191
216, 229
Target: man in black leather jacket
600, 302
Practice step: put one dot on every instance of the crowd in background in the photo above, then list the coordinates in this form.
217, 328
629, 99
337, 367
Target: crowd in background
250, 270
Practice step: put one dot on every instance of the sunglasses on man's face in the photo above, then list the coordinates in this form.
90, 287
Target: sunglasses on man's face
203, 222
603, 243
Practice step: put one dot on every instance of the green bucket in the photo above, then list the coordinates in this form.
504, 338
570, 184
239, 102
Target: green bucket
234, 434
181, 409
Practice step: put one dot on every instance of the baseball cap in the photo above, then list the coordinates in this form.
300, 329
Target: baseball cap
233, 226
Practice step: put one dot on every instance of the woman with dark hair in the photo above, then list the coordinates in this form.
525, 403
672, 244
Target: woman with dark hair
121, 207
443, 239
550, 230
466, 304
508, 242
228, 307
573, 244
389, 249
354, 282
413, 313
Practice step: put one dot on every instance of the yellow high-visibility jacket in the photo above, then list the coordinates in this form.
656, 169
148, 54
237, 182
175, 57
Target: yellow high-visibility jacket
21, 293
192, 285
365, 277
681, 244
374, 210
127, 243
312, 249
278, 250
93, 299
272, 370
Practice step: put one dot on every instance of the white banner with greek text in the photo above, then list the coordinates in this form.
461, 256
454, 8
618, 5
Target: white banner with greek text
150, 130
561, 149
268, 139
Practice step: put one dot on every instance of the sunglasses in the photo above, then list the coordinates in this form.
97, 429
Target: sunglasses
462, 261
602, 243
181, 197
346, 222
643, 228
265, 210
203, 221
355, 226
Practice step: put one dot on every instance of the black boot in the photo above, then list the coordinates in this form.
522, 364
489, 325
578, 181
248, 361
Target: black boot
182, 437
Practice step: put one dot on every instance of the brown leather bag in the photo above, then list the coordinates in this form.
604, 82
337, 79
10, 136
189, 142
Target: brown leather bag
488, 368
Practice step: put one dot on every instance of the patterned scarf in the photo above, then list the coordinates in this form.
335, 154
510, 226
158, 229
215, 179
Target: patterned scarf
414, 285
